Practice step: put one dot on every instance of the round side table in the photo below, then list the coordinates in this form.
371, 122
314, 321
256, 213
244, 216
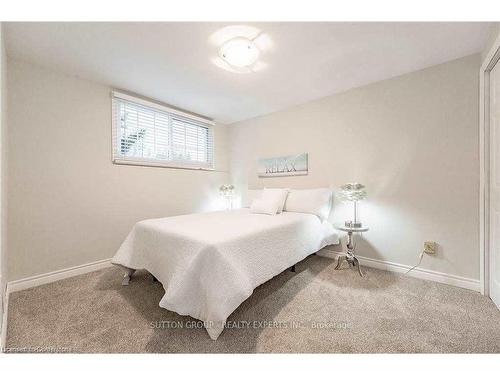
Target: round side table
349, 256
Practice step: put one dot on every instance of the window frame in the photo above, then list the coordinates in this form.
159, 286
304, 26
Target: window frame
118, 158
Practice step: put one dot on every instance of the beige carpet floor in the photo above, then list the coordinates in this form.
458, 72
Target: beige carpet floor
316, 309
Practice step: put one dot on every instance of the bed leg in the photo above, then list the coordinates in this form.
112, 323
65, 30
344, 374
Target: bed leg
292, 268
127, 276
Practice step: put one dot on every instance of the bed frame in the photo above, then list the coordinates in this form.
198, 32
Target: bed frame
128, 275
130, 271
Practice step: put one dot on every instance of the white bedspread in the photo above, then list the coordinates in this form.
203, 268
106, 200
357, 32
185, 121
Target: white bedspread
210, 263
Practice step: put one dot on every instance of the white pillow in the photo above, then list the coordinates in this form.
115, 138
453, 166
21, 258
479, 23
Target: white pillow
262, 206
276, 195
310, 201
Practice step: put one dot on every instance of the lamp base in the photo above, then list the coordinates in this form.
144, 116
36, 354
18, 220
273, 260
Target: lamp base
350, 224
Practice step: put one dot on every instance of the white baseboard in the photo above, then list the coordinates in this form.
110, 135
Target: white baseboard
419, 273
50, 277
3, 313
3, 336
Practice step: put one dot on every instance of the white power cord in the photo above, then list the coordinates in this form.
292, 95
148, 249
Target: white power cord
418, 264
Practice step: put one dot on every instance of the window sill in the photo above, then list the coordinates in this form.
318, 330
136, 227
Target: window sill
141, 163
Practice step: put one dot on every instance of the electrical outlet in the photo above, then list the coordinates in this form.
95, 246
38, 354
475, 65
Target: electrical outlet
429, 247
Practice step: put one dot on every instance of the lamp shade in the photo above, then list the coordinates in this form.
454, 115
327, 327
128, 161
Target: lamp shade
353, 192
226, 190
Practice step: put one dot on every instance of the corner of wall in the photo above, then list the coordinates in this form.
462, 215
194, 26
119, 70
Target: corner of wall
493, 35
3, 199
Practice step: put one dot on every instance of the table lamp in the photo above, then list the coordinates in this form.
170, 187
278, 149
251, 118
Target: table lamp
353, 192
227, 192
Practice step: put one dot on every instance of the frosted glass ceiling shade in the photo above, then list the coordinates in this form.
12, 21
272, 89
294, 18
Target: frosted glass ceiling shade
239, 52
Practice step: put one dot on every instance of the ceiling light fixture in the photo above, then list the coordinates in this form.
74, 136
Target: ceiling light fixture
239, 52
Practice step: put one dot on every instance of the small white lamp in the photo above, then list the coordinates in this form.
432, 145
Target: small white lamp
227, 192
353, 192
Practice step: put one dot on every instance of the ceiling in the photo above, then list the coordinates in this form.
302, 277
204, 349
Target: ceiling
177, 62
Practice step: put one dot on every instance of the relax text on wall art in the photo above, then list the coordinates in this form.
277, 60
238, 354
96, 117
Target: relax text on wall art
292, 165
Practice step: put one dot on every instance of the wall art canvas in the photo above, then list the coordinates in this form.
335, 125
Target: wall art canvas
292, 165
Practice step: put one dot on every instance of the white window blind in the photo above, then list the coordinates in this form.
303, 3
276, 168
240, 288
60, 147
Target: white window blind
146, 133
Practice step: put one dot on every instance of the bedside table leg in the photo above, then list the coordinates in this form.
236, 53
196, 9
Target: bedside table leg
340, 259
356, 264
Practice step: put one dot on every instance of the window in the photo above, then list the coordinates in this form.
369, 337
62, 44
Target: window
146, 133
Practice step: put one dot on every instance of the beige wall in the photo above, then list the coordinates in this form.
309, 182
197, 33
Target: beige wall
413, 140
68, 204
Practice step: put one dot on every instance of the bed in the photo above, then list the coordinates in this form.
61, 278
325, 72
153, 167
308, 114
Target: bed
209, 263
